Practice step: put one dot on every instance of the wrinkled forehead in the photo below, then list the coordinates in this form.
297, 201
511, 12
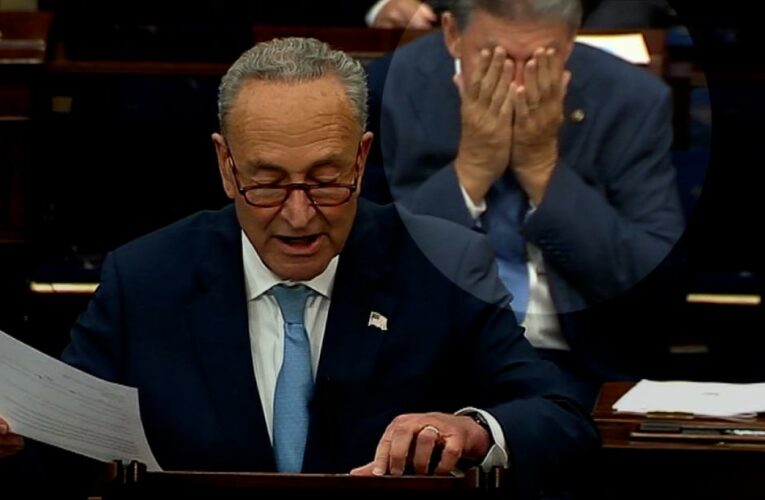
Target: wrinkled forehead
292, 125
286, 100
298, 112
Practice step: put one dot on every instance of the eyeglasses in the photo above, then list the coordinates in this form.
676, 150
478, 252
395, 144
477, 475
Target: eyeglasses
323, 194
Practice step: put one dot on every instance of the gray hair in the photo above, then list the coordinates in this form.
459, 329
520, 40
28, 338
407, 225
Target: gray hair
568, 11
294, 60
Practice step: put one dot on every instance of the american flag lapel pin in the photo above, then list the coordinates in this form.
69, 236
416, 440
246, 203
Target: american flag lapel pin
378, 321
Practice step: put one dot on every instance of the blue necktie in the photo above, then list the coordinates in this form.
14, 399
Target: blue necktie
294, 385
503, 224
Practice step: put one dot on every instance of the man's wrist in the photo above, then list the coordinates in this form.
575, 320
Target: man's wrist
475, 181
481, 439
535, 177
481, 420
497, 454
529, 158
475, 209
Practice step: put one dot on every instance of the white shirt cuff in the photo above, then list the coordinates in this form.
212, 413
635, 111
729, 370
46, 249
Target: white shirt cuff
475, 210
372, 13
497, 455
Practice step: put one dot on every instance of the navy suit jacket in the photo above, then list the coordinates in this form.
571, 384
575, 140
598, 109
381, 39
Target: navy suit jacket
611, 212
170, 318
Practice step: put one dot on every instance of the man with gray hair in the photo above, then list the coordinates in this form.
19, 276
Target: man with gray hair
559, 152
300, 329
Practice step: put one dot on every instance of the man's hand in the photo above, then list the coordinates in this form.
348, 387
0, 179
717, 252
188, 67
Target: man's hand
405, 14
487, 117
10, 443
538, 118
411, 439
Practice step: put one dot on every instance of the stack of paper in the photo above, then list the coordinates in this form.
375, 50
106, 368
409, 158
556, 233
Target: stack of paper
44, 399
712, 399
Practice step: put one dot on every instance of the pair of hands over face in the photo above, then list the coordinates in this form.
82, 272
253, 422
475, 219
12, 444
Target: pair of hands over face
409, 439
510, 124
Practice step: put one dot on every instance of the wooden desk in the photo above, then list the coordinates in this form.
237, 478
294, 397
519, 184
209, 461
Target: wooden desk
133, 482
23, 45
23, 42
369, 43
365, 44
23, 36
630, 468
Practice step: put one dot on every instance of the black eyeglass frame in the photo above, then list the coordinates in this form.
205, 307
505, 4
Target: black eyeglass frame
295, 186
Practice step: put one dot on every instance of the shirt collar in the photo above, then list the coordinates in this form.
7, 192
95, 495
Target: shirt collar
259, 279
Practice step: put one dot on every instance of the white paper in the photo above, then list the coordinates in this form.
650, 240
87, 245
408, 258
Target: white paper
629, 46
47, 400
712, 399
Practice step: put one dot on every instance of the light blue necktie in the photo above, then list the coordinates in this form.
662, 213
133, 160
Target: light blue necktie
503, 223
294, 385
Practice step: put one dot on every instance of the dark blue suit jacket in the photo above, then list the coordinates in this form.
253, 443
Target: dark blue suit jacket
170, 318
611, 212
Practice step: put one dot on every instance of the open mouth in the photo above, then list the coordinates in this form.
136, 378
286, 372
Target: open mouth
299, 245
299, 241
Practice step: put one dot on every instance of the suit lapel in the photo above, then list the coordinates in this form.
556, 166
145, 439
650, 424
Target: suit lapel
219, 328
351, 344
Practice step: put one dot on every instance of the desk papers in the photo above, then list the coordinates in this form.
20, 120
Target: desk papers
630, 46
712, 399
47, 400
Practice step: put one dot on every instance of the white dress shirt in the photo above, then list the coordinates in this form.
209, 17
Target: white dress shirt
541, 320
267, 325
266, 328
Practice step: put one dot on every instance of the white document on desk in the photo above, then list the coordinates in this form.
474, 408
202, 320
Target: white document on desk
47, 400
629, 46
713, 399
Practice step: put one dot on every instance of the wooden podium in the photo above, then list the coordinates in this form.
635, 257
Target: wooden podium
632, 465
133, 482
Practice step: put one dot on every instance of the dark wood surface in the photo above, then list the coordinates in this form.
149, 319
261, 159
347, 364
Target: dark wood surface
311, 482
23, 49
637, 468
24, 36
132, 482
364, 43
616, 428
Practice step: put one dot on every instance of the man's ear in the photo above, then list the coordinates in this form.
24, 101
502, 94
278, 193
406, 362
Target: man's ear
452, 35
226, 174
364, 148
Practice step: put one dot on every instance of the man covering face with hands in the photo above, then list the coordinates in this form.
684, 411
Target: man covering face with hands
559, 152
